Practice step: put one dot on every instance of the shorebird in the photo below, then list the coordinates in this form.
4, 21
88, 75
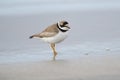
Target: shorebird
54, 34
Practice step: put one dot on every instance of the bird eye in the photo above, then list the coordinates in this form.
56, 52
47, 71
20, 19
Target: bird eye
65, 22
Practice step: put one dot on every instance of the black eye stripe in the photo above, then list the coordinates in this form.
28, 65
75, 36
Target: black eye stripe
65, 23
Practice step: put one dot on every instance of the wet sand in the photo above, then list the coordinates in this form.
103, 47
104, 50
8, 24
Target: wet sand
86, 67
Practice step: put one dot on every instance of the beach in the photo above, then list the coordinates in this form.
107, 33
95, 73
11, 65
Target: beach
91, 51
84, 67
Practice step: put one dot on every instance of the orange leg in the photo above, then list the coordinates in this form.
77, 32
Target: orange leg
54, 51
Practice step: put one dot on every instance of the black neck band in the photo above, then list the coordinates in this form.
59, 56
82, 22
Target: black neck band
61, 29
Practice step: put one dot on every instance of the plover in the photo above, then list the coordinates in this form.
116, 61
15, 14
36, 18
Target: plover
53, 34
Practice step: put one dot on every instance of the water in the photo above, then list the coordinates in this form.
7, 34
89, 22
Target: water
94, 29
68, 52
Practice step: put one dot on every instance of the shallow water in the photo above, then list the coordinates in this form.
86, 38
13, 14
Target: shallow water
68, 52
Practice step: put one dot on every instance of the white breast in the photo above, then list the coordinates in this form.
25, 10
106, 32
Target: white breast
57, 38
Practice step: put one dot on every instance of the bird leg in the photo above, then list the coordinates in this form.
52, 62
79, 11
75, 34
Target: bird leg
54, 51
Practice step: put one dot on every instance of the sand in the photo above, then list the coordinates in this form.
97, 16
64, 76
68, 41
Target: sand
86, 67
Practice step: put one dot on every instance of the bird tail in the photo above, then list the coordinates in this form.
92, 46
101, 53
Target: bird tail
36, 35
31, 37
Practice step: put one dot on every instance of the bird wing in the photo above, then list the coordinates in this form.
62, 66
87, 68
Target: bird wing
47, 34
50, 31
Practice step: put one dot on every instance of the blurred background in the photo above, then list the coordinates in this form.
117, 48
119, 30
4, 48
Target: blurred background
90, 20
